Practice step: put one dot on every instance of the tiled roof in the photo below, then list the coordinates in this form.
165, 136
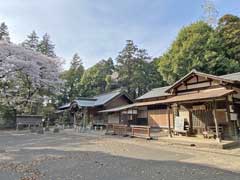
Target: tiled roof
98, 100
119, 108
156, 92
85, 102
207, 94
106, 97
202, 95
233, 76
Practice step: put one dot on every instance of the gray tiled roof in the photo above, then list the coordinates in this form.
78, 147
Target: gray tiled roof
85, 102
104, 98
156, 92
97, 100
119, 108
233, 76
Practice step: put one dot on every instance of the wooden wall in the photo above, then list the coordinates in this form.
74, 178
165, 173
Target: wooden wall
118, 101
142, 112
159, 118
113, 117
195, 83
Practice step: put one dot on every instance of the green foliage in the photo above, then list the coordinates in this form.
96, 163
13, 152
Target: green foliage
48, 112
7, 117
199, 46
136, 71
72, 79
46, 46
4, 34
228, 30
97, 79
31, 42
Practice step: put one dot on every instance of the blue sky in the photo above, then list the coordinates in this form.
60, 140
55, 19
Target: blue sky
98, 29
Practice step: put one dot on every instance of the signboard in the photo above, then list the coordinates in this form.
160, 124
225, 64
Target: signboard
179, 123
233, 116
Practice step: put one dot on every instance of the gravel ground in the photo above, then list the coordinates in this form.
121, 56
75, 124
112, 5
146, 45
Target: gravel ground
69, 156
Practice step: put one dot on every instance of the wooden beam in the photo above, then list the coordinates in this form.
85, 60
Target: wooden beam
74, 120
215, 121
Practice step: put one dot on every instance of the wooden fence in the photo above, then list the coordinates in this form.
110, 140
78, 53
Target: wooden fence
141, 131
30, 120
117, 129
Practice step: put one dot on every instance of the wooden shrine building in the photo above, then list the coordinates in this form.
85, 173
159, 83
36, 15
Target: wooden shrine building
85, 110
197, 104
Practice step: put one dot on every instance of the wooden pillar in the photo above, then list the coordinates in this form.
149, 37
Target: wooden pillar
84, 118
215, 121
228, 117
119, 117
74, 120
169, 122
235, 124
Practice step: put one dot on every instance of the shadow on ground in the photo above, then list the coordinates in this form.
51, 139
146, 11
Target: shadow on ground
52, 164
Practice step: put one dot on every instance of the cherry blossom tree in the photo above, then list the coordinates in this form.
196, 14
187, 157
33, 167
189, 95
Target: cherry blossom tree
26, 77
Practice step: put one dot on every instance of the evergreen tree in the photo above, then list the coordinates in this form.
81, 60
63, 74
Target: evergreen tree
223, 47
31, 42
72, 78
76, 62
46, 47
96, 80
4, 34
136, 72
228, 31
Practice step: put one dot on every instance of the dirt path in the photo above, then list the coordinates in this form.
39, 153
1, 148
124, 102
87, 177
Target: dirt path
70, 155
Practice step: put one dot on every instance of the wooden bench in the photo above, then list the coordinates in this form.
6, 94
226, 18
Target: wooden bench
211, 132
141, 131
185, 131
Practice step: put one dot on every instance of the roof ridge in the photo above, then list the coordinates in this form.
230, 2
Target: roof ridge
161, 87
85, 98
229, 74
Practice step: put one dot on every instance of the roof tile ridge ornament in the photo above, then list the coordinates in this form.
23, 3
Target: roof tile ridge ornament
85, 98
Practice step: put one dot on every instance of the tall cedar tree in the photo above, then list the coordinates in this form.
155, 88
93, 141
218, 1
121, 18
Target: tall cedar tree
46, 46
72, 78
4, 34
31, 42
133, 66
